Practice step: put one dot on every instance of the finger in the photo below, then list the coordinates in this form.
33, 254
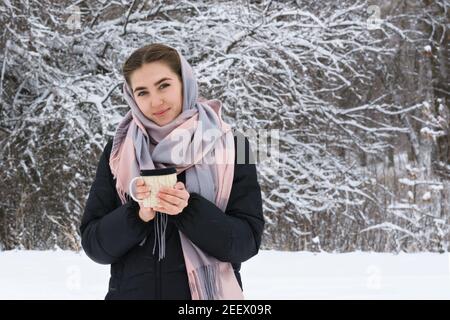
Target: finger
179, 186
183, 194
143, 188
143, 195
176, 207
171, 199
140, 186
167, 207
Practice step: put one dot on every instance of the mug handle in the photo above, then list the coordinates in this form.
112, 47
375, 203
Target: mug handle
130, 189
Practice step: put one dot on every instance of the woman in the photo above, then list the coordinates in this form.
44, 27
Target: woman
206, 225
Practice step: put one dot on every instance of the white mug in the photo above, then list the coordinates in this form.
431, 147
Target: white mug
155, 179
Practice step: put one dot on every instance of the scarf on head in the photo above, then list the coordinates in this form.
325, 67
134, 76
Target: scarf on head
208, 162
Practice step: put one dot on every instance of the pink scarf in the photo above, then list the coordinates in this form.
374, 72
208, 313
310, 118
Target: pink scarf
209, 165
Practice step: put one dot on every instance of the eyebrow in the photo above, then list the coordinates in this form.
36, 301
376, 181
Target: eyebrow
156, 83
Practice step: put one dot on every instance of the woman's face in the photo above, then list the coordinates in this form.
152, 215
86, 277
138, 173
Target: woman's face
158, 92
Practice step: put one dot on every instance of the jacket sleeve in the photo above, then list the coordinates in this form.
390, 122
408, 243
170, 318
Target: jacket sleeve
236, 235
108, 231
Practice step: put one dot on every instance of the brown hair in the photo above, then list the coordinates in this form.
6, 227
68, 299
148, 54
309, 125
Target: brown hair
150, 53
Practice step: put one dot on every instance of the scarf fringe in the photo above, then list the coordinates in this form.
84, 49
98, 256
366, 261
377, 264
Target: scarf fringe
206, 281
160, 226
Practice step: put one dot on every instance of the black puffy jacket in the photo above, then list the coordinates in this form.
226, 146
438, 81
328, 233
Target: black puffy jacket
112, 233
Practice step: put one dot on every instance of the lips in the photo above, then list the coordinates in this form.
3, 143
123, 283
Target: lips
160, 113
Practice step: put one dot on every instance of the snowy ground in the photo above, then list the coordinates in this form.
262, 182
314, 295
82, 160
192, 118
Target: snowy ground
269, 275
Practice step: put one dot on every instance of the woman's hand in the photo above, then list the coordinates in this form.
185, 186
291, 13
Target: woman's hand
143, 191
172, 200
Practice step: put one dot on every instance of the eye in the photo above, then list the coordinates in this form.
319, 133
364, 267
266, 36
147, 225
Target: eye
165, 85
140, 94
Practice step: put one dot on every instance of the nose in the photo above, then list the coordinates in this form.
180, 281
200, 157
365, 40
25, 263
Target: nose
156, 101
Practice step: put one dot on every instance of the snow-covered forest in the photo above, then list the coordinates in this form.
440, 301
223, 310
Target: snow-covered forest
358, 90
